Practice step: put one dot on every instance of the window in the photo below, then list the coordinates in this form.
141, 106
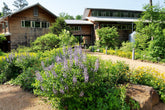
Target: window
37, 24
103, 13
125, 14
35, 11
76, 28
115, 14
25, 23
44, 24
48, 25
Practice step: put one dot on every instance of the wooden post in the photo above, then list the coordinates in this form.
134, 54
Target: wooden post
106, 49
133, 54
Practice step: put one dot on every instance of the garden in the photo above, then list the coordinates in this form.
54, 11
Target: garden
56, 68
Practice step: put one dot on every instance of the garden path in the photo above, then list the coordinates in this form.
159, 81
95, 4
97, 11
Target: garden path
132, 63
14, 98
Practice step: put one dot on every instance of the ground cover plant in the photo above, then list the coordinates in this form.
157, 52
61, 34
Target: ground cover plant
151, 77
77, 81
73, 80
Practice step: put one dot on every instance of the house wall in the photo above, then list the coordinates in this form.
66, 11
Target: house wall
86, 32
123, 33
24, 35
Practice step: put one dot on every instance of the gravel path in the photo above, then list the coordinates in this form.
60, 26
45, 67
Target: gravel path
14, 98
132, 63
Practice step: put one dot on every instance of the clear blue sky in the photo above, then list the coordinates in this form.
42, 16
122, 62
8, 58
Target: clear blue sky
75, 7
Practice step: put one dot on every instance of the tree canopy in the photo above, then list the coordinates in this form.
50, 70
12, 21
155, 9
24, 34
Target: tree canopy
20, 4
6, 10
58, 26
150, 31
66, 16
108, 37
79, 17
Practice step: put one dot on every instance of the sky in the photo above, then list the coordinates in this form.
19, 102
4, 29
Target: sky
76, 7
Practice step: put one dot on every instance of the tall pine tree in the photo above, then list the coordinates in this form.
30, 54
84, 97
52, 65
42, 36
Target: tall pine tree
20, 4
6, 10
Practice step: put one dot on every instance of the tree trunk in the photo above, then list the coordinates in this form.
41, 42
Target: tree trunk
150, 2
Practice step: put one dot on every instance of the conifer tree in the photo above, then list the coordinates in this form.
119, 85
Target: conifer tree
20, 4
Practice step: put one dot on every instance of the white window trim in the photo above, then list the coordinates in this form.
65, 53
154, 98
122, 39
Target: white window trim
32, 24
47, 24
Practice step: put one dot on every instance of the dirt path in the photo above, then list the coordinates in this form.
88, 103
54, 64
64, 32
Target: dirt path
14, 98
132, 63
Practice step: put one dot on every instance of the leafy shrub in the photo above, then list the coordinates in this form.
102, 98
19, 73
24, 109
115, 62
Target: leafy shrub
1, 53
75, 81
126, 47
14, 64
25, 79
58, 26
2, 37
66, 38
22, 49
93, 48
10, 70
46, 42
107, 37
151, 77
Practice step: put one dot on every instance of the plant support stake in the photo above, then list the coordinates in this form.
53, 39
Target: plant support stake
133, 54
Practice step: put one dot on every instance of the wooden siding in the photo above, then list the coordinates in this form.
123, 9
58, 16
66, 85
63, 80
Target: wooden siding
85, 30
24, 35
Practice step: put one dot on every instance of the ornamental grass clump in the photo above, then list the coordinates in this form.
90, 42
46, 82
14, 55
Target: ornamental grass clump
76, 81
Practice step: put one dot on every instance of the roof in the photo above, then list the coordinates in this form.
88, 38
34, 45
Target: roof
37, 4
87, 10
81, 22
111, 19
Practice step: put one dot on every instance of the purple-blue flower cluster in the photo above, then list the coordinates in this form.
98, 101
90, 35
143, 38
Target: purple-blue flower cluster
73, 71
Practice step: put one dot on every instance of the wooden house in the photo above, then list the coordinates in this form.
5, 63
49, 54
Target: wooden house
123, 20
24, 26
82, 30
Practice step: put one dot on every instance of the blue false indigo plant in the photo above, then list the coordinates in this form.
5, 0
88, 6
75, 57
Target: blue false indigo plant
69, 76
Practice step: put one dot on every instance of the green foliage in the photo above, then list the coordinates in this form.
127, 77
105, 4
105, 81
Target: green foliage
108, 37
25, 79
151, 77
46, 42
79, 17
1, 14
58, 26
22, 48
66, 16
2, 37
78, 82
150, 35
126, 47
66, 38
